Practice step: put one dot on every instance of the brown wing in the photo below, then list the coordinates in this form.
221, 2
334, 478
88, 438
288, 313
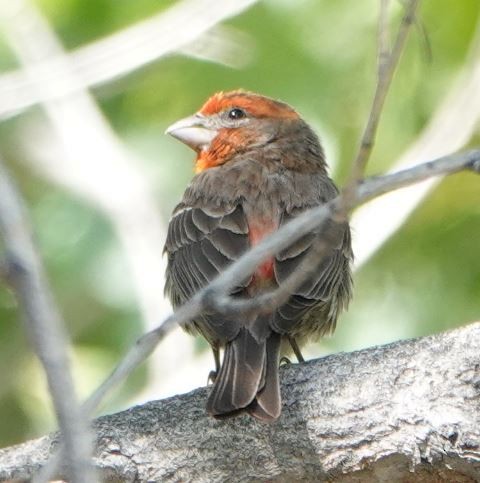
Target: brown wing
200, 244
324, 294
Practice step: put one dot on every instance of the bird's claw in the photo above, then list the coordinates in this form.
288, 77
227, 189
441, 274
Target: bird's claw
212, 377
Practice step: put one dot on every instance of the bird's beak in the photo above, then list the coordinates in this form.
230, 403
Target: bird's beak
193, 131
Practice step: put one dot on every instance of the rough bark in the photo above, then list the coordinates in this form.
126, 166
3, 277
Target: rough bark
408, 411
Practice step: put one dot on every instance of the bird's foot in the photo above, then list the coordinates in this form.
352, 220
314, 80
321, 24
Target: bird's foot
212, 377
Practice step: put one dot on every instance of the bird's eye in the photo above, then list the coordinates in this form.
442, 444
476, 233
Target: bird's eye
236, 113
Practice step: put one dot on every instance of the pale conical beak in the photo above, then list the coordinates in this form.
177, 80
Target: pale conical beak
193, 132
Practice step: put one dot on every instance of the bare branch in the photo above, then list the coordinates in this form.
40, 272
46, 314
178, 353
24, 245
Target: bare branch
269, 301
316, 218
87, 156
44, 326
406, 411
383, 38
386, 69
217, 291
451, 126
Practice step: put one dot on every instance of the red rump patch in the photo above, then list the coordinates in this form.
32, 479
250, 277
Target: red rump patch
257, 232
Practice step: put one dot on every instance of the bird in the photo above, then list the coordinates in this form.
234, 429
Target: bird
258, 165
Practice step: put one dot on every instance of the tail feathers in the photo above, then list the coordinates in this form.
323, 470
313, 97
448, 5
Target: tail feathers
248, 378
240, 375
267, 405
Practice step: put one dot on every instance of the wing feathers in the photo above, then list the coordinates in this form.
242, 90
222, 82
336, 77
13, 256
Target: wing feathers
200, 244
229, 244
329, 286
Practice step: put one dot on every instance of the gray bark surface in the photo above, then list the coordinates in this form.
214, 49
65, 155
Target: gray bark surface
407, 411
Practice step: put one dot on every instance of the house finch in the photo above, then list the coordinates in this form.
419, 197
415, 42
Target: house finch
258, 165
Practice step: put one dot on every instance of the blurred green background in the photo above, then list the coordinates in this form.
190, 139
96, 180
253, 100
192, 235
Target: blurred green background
318, 56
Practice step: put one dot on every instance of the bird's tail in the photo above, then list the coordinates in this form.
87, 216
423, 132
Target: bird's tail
248, 378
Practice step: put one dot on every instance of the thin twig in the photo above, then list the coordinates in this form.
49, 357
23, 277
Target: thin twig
44, 326
219, 288
318, 217
451, 126
383, 38
385, 76
87, 155
269, 301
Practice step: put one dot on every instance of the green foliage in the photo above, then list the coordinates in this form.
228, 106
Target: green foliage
318, 56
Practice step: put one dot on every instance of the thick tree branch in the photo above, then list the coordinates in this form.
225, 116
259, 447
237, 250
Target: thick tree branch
391, 413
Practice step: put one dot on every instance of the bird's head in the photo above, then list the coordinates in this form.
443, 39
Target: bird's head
237, 122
